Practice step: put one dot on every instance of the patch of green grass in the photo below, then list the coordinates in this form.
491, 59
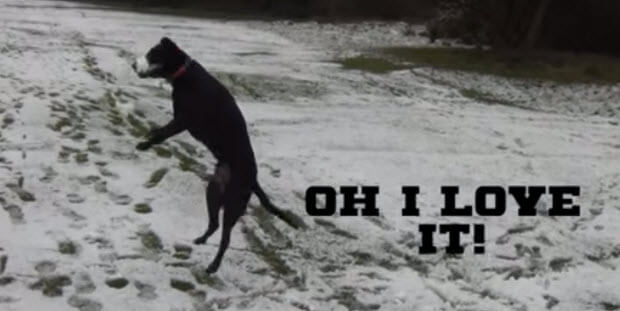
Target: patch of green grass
178, 247
142, 208
560, 67
333, 229
7, 120
59, 124
610, 306
362, 258
181, 285
559, 263
189, 148
51, 285
81, 157
265, 222
485, 97
180, 264
57, 106
107, 100
91, 66
78, 136
115, 118
138, 128
162, 151
330, 267
114, 131
372, 64
156, 177
293, 219
23, 195
84, 98
324, 223
181, 255
182, 251
6, 280
240, 84
265, 87
69, 149
477, 95
150, 240
93, 146
3, 261
412, 262
260, 53
139, 113
346, 296
202, 277
117, 283
87, 108
189, 164
266, 253
344, 233
63, 156
67, 247
120, 93
379, 222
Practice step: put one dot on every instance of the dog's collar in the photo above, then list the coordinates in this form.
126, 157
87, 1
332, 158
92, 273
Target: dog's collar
181, 70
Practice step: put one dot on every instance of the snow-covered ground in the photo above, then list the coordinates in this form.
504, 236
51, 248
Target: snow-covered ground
75, 224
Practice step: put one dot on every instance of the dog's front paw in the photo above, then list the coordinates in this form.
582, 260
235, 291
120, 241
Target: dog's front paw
143, 146
200, 240
212, 268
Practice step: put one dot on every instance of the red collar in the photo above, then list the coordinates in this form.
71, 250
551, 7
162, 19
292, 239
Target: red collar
181, 70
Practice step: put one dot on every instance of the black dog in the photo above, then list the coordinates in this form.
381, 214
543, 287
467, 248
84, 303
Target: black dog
205, 108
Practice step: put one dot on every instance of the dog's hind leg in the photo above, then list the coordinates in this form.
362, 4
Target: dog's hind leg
215, 199
232, 212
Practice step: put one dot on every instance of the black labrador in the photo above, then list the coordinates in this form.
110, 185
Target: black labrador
205, 108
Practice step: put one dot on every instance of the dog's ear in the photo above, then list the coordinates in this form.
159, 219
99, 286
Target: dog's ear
165, 41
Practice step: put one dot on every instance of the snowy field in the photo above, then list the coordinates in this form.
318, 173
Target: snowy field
88, 223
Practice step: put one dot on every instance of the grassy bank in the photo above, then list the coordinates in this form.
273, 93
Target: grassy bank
332, 10
560, 67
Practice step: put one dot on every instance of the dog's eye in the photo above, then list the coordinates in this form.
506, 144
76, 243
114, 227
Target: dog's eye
151, 57
154, 59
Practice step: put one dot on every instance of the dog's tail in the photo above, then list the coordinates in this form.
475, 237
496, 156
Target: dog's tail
288, 217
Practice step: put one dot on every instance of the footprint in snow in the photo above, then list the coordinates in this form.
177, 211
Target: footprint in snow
145, 291
88, 180
68, 247
117, 282
3, 261
50, 174
6, 280
101, 186
45, 267
520, 142
75, 198
120, 199
107, 173
84, 284
8, 299
51, 285
100, 241
73, 215
84, 304
15, 213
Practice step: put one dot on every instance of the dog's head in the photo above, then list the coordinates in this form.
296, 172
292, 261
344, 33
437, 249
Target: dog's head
161, 61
